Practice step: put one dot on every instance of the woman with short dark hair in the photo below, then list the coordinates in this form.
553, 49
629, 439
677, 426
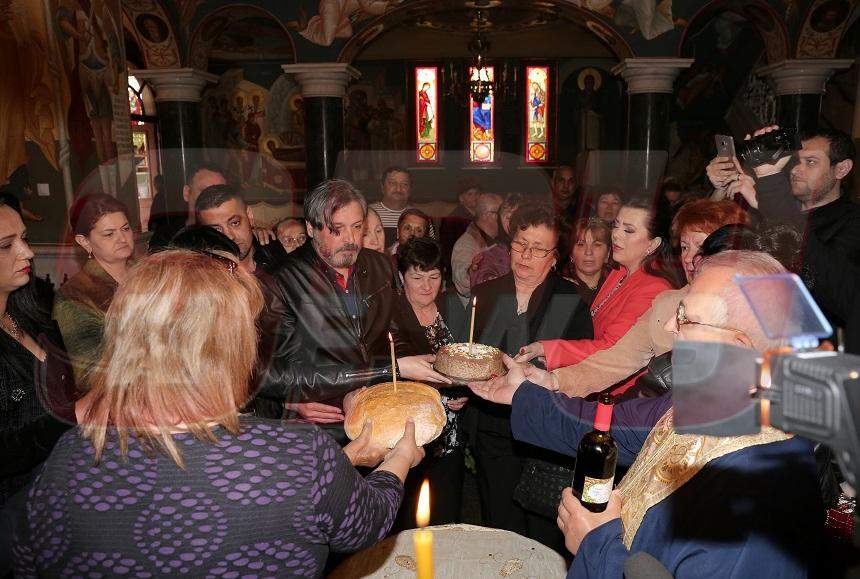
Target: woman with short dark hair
101, 228
423, 320
531, 302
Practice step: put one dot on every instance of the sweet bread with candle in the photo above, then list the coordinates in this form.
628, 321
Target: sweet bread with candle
389, 410
461, 362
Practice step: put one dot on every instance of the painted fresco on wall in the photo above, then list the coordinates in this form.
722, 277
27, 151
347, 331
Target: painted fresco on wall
237, 136
153, 33
64, 118
648, 18
726, 49
336, 18
823, 28
591, 108
377, 131
29, 111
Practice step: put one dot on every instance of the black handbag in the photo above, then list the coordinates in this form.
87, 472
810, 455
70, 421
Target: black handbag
540, 486
658, 379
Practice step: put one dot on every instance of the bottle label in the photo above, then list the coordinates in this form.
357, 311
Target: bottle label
596, 490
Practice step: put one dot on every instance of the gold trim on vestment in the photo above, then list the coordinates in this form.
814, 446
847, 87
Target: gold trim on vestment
668, 460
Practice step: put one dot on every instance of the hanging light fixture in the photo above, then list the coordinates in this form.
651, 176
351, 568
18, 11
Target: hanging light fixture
480, 85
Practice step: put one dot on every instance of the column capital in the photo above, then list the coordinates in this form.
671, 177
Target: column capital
651, 75
802, 76
176, 84
322, 79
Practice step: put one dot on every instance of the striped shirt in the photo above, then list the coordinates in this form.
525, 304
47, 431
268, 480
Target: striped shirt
390, 217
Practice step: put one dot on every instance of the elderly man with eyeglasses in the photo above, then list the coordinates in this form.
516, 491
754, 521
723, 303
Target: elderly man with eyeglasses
745, 506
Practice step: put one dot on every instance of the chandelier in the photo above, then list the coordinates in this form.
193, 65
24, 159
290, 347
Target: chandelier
480, 83
459, 81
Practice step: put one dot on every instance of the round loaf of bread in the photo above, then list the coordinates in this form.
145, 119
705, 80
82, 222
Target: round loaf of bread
460, 362
389, 410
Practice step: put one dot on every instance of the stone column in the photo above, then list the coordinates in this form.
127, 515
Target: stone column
178, 94
650, 89
799, 86
323, 87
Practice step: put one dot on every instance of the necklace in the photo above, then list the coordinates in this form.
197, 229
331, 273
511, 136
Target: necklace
602, 303
11, 326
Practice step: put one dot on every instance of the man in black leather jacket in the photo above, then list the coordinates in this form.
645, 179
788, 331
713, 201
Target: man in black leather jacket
335, 311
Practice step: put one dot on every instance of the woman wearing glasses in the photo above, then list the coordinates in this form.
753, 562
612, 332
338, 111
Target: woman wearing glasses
644, 268
530, 303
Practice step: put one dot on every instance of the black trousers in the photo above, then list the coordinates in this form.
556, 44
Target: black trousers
445, 474
499, 463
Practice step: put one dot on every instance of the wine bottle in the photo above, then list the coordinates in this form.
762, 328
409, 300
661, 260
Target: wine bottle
596, 457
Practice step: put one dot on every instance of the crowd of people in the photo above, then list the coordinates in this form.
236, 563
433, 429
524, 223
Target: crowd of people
181, 412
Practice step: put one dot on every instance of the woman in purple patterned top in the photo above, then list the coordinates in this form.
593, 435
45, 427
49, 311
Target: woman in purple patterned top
165, 478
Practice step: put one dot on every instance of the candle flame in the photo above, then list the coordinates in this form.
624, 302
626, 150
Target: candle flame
474, 301
390, 338
422, 517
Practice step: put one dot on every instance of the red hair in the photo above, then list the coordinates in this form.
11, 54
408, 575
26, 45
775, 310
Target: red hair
707, 216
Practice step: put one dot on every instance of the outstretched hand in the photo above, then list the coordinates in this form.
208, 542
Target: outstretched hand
501, 389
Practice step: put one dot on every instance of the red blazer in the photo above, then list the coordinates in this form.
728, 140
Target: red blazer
612, 321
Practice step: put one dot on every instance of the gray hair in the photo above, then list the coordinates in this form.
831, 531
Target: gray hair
486, 202
329, 197
736, 312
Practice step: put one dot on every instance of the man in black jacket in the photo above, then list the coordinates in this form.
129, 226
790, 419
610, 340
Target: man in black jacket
224, 208
828, 219
335, 313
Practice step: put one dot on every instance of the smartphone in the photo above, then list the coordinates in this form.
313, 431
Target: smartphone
725, 146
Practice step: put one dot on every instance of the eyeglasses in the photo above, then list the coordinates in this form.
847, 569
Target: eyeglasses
297, 240
539, 252
681, 321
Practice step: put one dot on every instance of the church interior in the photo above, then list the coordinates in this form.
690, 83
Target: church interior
122, 96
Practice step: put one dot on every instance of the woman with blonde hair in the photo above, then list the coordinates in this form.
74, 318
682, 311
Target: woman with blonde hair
165, 462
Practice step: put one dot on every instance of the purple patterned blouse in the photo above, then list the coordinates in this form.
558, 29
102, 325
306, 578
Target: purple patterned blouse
270, 502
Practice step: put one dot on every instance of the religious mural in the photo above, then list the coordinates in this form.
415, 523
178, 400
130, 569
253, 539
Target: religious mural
337, 18
64, 118
238, 137
377, 132
822, 31
153, 33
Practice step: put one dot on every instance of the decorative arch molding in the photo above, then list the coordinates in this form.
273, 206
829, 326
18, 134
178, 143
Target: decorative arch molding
211, 25
824, 26
760, 14
565, 9
153, 30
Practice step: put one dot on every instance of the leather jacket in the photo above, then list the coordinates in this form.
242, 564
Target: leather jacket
319, 353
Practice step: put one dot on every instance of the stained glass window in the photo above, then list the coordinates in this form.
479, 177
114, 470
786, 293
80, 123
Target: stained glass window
481, 122
537, 101
135, 104
427, 113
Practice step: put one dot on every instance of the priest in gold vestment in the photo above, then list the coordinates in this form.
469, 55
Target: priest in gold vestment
703, 506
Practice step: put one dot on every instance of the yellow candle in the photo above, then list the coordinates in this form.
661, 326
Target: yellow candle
393, 361
422, 539
472, 324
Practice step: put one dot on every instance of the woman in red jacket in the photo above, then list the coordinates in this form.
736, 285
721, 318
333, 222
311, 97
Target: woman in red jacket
644, 268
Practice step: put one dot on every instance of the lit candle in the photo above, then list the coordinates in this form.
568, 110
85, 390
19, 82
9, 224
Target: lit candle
422, 539
393, 361
472, 324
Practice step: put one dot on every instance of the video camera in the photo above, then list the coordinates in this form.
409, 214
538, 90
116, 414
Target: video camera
725, 390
